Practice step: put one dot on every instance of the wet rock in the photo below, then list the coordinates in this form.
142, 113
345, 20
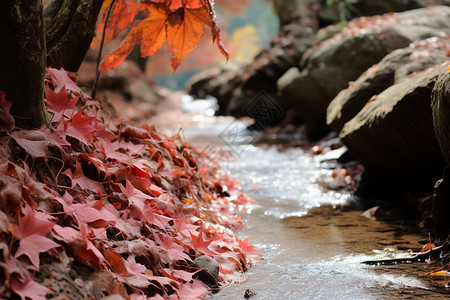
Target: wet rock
196, 85
441, 207
249, 293
440, 106
236, 88
394, 133
328, 68
210, 270
331, 14
395, 67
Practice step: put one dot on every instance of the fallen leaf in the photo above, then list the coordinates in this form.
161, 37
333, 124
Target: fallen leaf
29, 289
200, 244
80, 127
62, 80
31, 235
59, 104
34, 142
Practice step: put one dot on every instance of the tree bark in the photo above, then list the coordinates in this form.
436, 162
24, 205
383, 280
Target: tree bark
22, 60
70, 28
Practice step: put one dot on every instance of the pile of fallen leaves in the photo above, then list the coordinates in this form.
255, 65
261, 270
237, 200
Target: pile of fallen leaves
91, 207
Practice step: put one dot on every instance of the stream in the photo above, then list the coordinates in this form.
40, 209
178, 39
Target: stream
313, 256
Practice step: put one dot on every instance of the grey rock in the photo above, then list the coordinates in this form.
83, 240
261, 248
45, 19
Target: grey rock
210, 270
196, 84
394, 133
395, 67
328, 68
440, 106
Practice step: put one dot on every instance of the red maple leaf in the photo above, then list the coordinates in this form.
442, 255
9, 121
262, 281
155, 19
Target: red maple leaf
200, 244
31, 235
80, 127
61, 79
89, 250
192, 291
153, 217
133, 267
121, 18
84, 214
136, 198
246, 248
174, 250
110, 150
29, 289
184, 227
129, 147
59, 104
34, 142
55, 135
78, 178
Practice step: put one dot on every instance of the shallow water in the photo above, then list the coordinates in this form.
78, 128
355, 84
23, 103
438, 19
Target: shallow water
317, 256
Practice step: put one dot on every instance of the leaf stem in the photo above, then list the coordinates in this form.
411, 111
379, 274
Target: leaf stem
97, 68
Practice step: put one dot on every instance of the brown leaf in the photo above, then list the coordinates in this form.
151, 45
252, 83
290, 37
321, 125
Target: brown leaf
115, 262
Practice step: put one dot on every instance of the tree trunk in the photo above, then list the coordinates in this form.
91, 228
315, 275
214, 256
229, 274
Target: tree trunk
22, 60
70, 28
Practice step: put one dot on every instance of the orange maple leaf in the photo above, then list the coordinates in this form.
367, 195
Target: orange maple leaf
184, 33
179, 23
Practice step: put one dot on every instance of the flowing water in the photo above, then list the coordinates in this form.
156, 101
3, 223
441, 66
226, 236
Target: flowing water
319, 255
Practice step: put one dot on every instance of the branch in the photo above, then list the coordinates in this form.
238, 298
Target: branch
97, 69
421, 257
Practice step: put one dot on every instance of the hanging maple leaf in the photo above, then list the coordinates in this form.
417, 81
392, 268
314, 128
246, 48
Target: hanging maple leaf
121, 18
31, 235
179, 23
176, 4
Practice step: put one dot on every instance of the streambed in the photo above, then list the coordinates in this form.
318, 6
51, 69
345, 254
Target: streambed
310, 249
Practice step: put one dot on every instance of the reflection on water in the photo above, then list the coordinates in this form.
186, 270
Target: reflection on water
314, 257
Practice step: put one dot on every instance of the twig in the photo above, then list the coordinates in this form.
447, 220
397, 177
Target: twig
97, 69
421, 257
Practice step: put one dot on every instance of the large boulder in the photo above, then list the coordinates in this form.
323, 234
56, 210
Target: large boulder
394, 133
331, 14
396, 66
328, 68
195, 86
440, 106
235, 89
